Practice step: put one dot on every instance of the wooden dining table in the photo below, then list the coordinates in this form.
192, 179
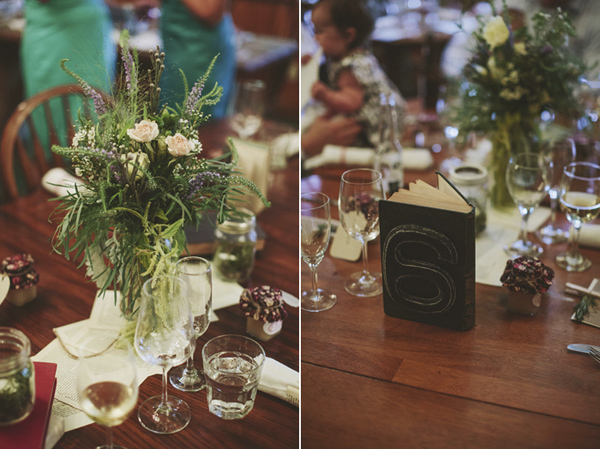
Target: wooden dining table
65, 295
373, 381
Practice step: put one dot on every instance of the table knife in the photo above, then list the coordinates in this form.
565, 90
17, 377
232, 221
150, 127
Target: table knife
579, 347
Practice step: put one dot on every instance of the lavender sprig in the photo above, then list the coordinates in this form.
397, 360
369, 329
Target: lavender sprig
99, 105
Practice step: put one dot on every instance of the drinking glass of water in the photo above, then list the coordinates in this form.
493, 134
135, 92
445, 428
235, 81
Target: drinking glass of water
232, 365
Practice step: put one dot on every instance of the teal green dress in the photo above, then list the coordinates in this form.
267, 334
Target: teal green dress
79, 30
190, 46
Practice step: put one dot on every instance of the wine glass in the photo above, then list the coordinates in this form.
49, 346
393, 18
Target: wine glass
163, 337
107, 388
197, 275
580, 200
557, 156
315, 229
360, 192
526, 179
249, 108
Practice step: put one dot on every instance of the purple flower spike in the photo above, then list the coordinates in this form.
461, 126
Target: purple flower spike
193, 98
99, 105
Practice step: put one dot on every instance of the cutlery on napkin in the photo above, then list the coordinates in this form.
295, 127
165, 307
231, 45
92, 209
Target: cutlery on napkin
280, 381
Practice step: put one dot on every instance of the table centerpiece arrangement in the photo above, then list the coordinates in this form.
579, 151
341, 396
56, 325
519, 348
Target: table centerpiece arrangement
144, 179
512, 77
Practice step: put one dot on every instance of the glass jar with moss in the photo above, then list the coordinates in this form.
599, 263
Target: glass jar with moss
17, 380
236, 245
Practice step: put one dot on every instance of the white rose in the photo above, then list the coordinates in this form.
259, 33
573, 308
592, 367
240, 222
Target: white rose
178, 145
145, 131
495, 32
140, 159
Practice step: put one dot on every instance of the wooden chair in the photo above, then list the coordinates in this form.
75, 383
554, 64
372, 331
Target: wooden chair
26, 142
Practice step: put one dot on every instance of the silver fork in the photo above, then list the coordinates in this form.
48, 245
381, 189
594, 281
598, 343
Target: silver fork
595, 354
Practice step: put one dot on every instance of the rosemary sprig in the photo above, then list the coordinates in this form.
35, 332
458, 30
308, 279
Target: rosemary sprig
587, 303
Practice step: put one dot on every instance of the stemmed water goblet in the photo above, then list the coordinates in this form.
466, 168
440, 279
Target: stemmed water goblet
197, 274
163, 337
526, 179
557, 156
315, 230
249, 108
360, 192
580, 200
107, 388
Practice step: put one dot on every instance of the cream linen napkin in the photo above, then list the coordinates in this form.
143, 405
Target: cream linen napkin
59, 182
414, 158
589, 236
254, 164
279, 380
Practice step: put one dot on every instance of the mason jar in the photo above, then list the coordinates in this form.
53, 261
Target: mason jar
471, 181
17, 379
236, 246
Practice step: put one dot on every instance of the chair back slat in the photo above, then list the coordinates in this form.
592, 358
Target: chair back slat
30, 146
31, 171
38, 158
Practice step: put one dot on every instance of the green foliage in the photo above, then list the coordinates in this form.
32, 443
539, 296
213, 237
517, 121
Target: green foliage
144, 180
587, 303
530, 72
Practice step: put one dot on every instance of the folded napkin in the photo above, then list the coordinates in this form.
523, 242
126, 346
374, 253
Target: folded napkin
288, 144
280, 381
253, 158
589, 236
59, 182
413, 158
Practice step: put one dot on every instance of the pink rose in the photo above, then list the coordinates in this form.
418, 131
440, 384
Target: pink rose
178, 145
145, 131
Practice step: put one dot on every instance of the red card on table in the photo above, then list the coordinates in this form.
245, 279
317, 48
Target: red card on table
31, 433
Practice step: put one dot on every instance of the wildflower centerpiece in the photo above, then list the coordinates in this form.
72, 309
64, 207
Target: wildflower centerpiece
144, 179
512, 77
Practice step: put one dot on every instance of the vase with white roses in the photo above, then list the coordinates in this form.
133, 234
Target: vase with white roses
144, 178
512, 78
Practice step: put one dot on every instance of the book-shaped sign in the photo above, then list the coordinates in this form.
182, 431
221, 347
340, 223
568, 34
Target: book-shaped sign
428, 255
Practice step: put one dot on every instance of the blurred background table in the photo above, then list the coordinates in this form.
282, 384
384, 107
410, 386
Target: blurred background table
65, 295
370, 380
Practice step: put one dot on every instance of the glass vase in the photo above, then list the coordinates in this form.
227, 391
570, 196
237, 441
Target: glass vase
513, 135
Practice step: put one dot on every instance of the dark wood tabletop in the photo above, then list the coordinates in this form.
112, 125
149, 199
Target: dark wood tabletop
66, 296
373, 381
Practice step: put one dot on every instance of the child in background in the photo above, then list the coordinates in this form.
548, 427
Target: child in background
355, 79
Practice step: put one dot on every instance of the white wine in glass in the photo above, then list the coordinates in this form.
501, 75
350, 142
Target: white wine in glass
315, 229
526, 179
580, 200
107, 388
360, 192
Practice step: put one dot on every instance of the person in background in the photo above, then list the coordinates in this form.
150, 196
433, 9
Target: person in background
354, 78
78, 30
193, 33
